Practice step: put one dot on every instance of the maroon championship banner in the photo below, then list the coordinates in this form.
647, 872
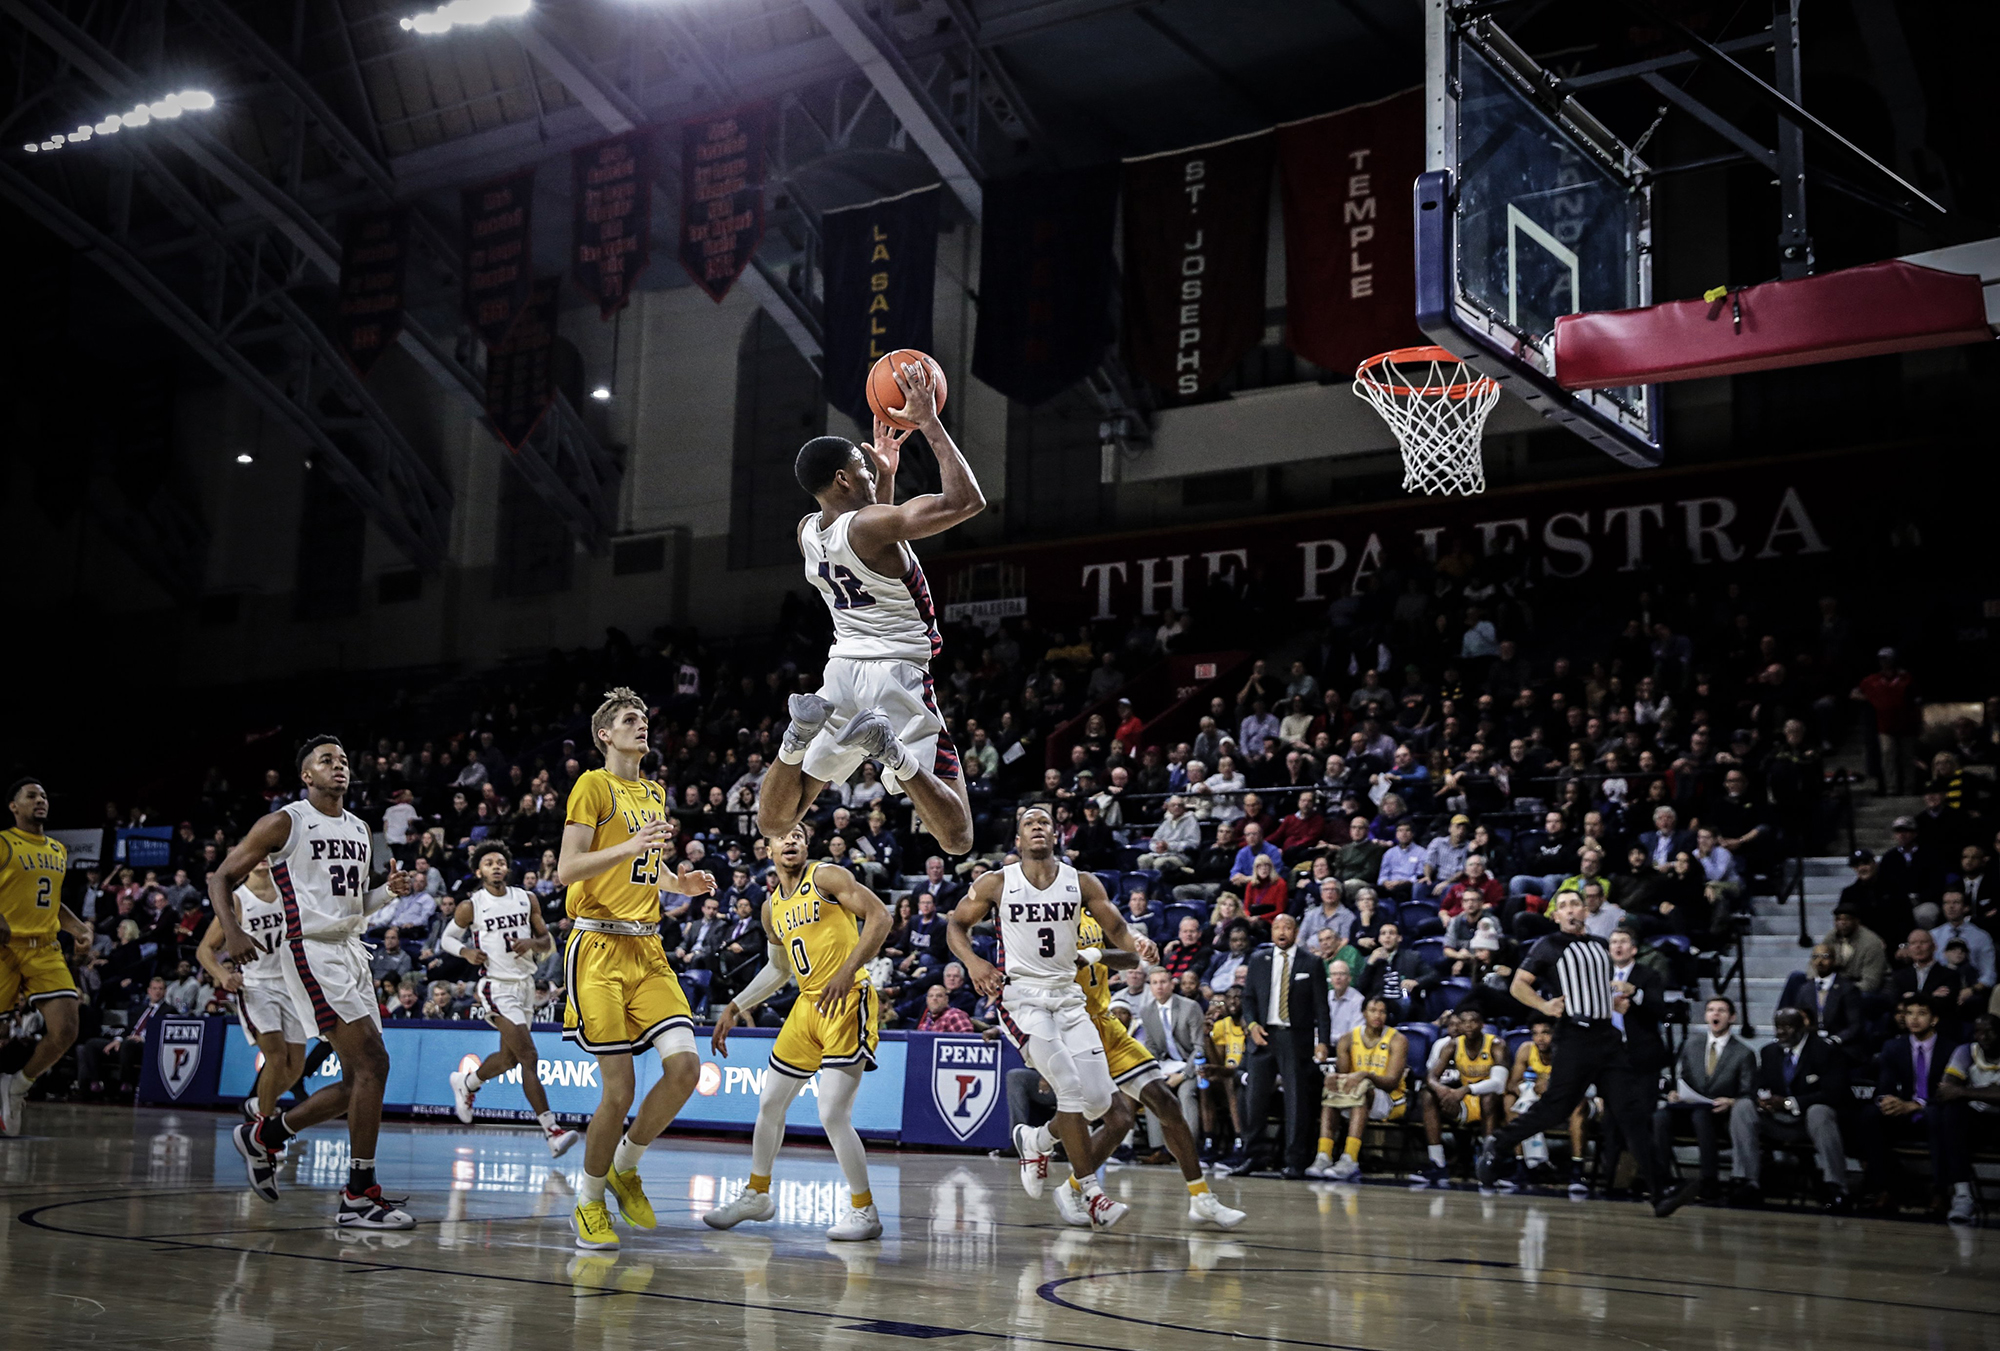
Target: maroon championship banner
369, 314
611, 238
498, 244
1799, 514
520, 372
722, 196
1195, 224
1350, 291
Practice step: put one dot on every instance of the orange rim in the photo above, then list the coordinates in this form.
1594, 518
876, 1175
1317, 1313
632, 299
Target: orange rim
1364, 373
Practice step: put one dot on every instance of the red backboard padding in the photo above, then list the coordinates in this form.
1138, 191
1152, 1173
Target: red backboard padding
1863, 311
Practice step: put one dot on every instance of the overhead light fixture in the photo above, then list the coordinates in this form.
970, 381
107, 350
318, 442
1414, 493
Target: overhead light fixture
464, 14
602, 393
169, 106
245, 457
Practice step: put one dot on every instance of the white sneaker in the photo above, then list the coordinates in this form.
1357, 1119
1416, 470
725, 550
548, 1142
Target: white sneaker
748, 1205
371, 1210
1034, 1166
856, 1225
1321, 1166
1207, 1208
13, 1103
464, 1088
875, 736
1345, 1169
1104, 1212
560, 1141
1963, 1211
808, 713
1070, 1204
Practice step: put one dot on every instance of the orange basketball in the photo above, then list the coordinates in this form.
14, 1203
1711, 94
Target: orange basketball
884, 394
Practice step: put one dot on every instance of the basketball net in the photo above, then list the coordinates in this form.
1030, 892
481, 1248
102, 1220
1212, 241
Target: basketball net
1437, 409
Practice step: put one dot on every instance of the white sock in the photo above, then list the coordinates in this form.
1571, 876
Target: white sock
479, 1080
25, 1077
626, 1157
1043, 1139
1961, 1189
592, 1188
548, 1120
1089, 1185
792, 754
1437, 1155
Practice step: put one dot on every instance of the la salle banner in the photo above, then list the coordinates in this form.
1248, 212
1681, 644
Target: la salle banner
881, 270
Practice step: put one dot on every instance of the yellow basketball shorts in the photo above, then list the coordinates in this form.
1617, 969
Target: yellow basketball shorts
620, 992
846, 1036
34, 966
1125, 1056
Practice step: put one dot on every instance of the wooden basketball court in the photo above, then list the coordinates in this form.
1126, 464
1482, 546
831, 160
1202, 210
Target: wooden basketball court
133, 1229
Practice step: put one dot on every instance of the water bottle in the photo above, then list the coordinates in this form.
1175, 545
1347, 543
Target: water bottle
1201, 1070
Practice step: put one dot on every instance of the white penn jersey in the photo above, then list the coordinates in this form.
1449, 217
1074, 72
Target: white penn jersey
264, 921
500, 924
875, 617
322, 873
1038, 928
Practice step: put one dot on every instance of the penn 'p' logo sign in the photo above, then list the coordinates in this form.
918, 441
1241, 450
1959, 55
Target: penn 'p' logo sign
180, 1053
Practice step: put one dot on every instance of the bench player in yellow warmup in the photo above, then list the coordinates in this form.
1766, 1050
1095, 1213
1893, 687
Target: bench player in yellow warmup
31, 960
821, 927
1139, 1076
621, 994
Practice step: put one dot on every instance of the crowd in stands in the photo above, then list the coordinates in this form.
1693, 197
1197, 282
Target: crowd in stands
1397, 797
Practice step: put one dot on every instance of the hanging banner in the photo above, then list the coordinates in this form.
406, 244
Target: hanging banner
1350, 290
520, 372
880, 269
369, 315
612, 235
1195, 224
1045, 276
499, 253
722, 196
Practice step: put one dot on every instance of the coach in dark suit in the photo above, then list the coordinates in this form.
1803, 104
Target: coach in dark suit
1832, 999
1718, 1067
1642, 992
1289, 1025
1801, 1093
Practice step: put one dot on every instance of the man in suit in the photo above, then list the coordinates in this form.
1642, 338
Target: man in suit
1832, 999
1927, 978
1288, 1023
1638, 1008
1170, 1026
1396, 974
1665, 840
1906, 870
1712, 1073
1906, 1081
1800, 1092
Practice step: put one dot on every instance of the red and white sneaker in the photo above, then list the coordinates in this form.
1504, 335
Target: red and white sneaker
372, 1210
1104, 1212
560, 1140
1034, 1165
464, 1088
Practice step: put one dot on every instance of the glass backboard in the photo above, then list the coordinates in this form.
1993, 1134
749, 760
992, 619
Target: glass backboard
1529, 209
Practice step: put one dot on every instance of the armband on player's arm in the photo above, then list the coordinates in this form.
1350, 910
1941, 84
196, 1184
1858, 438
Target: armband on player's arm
1494, 1082
766, 982
453, 942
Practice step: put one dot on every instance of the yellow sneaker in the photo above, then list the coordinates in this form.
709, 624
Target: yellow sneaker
592, 1222
632, 1202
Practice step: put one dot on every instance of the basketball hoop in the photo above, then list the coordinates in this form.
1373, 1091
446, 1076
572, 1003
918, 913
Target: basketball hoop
1437, 408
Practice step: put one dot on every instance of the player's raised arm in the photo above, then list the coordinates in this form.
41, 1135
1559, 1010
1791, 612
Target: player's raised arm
958, 498
1116, 933
265, 838
857, 900
972, 908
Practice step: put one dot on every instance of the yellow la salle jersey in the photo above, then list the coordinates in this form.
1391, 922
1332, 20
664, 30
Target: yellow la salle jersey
1474, 1066
31, 879
616, 809
1095, 980
1375, 1059
1539, 1067
817, 934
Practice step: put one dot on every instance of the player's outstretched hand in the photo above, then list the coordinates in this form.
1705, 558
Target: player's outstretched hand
919, 394
693, 881
718, 1040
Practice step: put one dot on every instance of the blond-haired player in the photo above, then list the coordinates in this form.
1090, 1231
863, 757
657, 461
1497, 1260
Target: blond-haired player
1140, 1078
31, 960
622, 994
820, 928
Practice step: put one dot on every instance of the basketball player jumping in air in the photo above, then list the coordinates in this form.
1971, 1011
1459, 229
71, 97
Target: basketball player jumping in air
319, 857
875, 700
31, 911
811, 936
508, 934
1043, 1011
263, 1004
623, 995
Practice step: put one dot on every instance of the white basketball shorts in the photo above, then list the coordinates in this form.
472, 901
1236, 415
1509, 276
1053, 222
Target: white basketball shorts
330, 983
267, 1007
1051, 1028
513, 1000
901, 689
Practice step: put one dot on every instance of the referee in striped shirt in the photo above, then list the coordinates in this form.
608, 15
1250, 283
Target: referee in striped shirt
1589, 1049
